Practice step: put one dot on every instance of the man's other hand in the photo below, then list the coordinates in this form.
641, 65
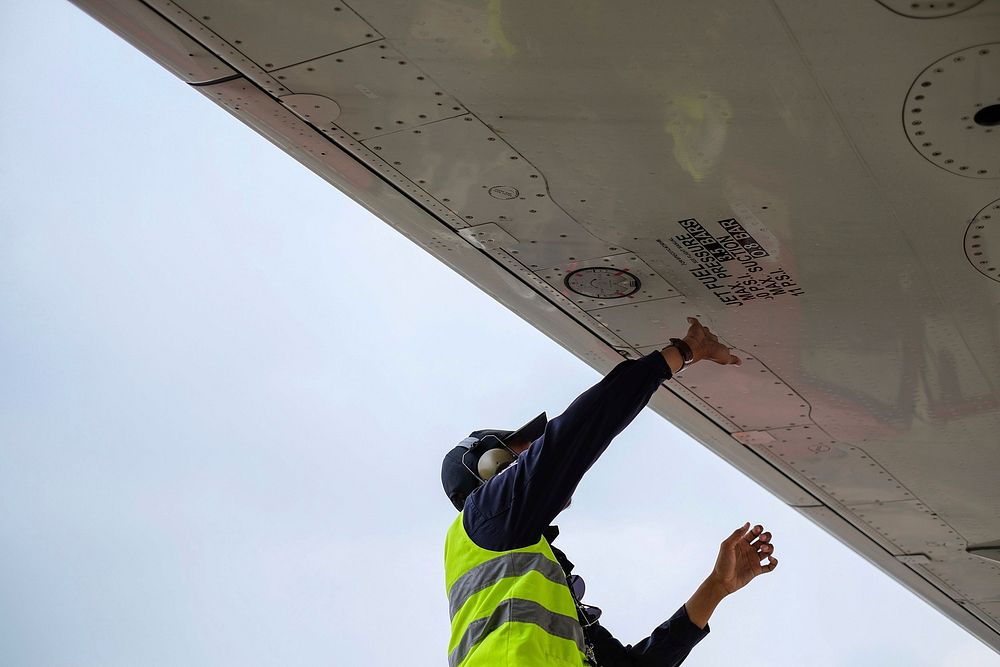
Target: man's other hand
705, 345
740, 558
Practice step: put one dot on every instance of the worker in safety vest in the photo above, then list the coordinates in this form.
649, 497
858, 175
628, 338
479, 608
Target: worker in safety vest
513, 597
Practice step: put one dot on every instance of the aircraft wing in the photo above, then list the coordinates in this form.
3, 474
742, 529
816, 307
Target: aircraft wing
817, 182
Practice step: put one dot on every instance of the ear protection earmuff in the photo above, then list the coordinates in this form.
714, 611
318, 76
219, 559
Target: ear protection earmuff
490, 454
492, 461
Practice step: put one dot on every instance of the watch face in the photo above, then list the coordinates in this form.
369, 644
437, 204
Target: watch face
603, 282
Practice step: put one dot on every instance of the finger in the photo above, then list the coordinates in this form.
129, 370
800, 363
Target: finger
772, 563
764, 550
695, 325
764, 538
721, 354
737, 534
748, 534
754, 532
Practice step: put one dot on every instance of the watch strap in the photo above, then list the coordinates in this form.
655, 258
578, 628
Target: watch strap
684, 349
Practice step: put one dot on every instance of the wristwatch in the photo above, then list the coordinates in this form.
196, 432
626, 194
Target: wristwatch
685, 351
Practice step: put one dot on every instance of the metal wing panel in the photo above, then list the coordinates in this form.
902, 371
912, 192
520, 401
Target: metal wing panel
741, 163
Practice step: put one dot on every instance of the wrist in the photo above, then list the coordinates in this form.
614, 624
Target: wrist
715, 587
674, 358
684, 348
691, 346
702, 604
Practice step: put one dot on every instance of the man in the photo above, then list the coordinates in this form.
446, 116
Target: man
513, 598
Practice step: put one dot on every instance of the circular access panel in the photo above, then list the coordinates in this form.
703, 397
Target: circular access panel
982, 241
603, 282
928, 9
952, 112
504, 192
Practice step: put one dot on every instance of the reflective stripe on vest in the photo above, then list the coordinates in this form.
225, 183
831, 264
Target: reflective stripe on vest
509, 607
486, 574
515, 610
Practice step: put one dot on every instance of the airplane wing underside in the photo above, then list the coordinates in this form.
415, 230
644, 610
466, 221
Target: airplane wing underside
820, 185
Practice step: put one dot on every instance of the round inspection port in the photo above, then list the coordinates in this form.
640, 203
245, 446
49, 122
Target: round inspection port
952, 110
928, 9
982, 241
602, 282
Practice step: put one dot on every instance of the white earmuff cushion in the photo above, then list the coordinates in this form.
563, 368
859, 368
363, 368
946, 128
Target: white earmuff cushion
493, 461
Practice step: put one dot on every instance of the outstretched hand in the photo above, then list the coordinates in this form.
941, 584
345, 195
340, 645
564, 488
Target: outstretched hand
740, 557
705, 345
739, 561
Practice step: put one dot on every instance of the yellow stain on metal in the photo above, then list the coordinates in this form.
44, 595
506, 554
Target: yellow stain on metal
698, 124
495, 27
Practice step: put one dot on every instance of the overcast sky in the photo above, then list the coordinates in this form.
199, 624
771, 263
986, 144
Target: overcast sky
225, 391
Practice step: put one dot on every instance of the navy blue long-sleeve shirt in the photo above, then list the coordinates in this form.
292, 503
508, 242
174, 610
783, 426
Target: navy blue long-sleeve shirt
515, 508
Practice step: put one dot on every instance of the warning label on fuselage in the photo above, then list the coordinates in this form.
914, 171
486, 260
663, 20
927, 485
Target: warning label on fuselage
734, 266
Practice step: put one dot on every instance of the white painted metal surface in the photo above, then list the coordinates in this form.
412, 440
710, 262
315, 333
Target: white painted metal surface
276, 34
390, 96
760, 163
316, 110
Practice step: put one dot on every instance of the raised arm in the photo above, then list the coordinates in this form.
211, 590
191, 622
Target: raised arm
513, 509
743, 555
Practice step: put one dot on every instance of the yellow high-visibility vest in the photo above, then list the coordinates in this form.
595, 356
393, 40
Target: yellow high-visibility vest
509, 608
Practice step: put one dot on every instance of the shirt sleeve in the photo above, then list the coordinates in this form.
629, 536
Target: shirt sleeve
511, 510
668, 646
